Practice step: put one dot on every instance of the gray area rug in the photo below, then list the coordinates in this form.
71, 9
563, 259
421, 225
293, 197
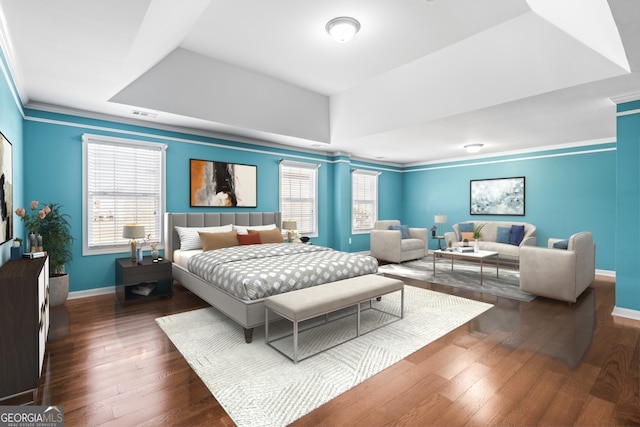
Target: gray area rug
258, 386
465, 275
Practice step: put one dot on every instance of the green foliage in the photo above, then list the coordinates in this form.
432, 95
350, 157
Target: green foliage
56, 239
477, 231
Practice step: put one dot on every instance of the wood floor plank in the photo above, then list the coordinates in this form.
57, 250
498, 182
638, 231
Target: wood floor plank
539, 363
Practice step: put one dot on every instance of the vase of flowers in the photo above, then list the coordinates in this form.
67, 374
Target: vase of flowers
33, 221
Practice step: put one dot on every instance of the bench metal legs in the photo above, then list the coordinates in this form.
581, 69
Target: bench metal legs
296, 327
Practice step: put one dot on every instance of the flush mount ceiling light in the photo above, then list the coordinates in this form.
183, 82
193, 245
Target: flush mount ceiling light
473, 148
342, 29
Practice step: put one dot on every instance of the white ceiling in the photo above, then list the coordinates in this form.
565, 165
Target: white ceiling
420, 80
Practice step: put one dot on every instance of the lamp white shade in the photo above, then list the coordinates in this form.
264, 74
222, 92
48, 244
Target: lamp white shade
342, 29
440, 219
133, 231
289, 224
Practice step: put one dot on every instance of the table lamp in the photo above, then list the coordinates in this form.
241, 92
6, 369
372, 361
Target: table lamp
441, 220
133, 232
289, 225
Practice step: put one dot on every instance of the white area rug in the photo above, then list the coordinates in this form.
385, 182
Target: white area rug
258, 386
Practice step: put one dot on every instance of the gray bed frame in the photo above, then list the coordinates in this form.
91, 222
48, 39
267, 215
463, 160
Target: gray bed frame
247, 314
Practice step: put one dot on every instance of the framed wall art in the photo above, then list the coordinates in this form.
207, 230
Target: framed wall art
222, 184
497, 196
6, 189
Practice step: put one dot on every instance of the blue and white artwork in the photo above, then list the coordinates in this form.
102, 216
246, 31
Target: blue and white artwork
499, 196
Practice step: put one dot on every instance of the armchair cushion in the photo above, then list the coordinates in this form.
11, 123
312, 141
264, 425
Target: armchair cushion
404, 230
561, 244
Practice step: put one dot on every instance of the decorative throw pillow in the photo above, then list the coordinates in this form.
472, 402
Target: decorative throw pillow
404, 230
190, 239
503, 235
249, 239
468, 235
213, 241
561, 244
465, 227
269, 236
517, 234
242, 229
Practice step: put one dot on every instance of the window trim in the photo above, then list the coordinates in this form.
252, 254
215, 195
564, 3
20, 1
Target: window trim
376, 174
88, 138
301, 165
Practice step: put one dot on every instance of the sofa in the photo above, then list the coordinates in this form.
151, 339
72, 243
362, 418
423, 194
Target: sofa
499, 236
562, 270
388, 243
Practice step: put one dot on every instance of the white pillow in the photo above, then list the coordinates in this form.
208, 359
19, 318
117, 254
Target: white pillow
241, 229
190, 239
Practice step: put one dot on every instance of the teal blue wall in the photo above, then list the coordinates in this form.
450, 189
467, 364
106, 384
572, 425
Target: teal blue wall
628, 207
11, 127
54, 147
567, 191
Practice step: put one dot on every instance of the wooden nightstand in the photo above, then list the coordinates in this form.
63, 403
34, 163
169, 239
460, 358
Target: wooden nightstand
129, 275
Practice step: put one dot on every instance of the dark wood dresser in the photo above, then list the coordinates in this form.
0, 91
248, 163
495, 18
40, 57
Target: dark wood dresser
24, 324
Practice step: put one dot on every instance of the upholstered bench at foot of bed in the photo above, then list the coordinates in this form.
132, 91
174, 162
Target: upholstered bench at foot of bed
308, 303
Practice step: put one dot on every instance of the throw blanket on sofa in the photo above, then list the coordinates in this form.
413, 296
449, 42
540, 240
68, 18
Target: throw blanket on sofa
258, 271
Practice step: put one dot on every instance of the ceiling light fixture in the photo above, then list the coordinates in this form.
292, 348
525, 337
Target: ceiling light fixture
473, 148
343, 28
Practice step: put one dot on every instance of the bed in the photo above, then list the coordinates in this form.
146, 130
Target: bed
244, 303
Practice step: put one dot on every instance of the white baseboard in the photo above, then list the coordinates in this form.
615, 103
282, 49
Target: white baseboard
92, 292
607, 273
626, 312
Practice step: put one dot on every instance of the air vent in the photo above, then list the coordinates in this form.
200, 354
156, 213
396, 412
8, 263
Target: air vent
145, 114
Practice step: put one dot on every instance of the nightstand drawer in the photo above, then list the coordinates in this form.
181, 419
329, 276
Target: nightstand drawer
145, 273
129, 275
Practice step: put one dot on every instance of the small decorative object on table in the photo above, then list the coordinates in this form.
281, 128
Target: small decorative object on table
154, 251
433, 231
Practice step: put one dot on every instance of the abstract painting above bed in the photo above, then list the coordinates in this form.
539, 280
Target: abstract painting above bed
257, 271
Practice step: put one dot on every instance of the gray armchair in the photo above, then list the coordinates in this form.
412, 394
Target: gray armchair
561, 274
388, 245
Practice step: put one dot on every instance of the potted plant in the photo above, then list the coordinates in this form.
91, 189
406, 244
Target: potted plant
477, 235
477, 231
56, 240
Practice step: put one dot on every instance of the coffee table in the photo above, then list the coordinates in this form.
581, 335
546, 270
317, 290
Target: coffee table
480, 255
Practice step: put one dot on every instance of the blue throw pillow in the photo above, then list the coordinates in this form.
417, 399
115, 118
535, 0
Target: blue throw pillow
503, 235
404, 230
517, 234
465, 227
561, 244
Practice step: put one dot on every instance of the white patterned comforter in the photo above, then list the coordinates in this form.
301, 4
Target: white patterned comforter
257, 271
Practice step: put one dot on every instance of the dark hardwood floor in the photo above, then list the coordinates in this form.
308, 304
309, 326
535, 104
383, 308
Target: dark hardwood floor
538, 363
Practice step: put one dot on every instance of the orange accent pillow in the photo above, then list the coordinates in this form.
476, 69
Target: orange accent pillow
468, 235
212, 241
269, 236
249, 239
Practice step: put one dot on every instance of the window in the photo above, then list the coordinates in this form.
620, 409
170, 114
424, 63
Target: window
123, 183
299, 195
364, 197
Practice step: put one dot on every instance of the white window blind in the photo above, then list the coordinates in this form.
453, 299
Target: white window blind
364, 196
123, 184
299, 195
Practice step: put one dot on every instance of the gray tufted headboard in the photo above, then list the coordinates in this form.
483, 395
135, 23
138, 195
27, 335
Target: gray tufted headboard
210, 219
